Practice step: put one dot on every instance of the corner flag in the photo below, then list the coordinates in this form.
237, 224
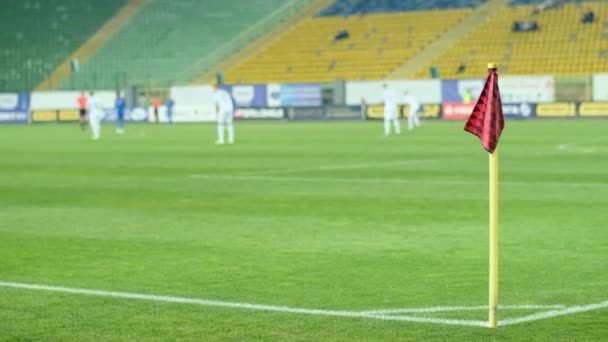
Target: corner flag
487, 123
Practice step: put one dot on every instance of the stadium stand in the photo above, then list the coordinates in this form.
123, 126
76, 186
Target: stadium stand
376, 44
562, 45
259, 43
362, 7
94, 42
165, 38
38, 35
169, 42
408, 69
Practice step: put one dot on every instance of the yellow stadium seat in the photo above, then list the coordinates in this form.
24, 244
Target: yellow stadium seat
378, 44
562, 46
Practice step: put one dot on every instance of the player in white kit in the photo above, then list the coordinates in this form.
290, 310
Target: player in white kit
225, 111
95, 115
390, 111
412, 117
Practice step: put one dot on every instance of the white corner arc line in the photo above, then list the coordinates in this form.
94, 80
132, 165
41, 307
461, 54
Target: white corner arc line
377, 314
554, 313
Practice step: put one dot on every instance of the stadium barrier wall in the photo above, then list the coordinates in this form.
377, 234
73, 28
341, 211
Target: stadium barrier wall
445, 111
536, 89
44, 115
61, 106
523, 97
344, 113
573, 88
192, 104
370, 92
248, 95
326, 112
461, 111
294, 95
256, 101
14, 108
532, 89
593, 109
260, 113
63, 100
184, 113
524, 110
138, 114
600, 87
427, 111
276, 95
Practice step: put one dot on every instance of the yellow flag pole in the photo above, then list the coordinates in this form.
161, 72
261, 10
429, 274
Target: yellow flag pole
493, 312
493, 260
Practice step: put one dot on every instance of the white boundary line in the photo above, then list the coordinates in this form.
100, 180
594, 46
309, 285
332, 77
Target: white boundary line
554, 313
462, 308
376, 314
249, 306
290, 179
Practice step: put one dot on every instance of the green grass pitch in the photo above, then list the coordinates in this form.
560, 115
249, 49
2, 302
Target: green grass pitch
329, 216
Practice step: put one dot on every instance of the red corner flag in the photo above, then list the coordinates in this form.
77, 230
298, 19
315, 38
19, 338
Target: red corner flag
487, 120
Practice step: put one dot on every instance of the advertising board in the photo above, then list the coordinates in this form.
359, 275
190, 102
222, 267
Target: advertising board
425, 91
14, 108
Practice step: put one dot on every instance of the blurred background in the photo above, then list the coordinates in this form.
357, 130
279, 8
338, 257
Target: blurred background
308, 59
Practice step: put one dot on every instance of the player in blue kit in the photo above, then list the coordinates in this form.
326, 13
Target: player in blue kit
169, 103
120, 105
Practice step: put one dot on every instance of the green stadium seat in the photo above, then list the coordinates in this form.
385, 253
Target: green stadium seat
38, 35
162, 43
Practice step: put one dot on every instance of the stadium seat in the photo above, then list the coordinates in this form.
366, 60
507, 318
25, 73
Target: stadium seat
359, 7
166, 38
377, 44
562, 46
38, 35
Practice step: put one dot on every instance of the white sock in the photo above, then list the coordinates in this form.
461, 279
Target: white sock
387, 127
95, 126
397, 125
230, 132
220, 132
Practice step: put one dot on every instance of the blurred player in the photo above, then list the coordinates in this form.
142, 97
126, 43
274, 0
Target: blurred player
412, 117
82, 106
169, 103
120, 105
155, 105
225, 112
390, 111
95, 115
